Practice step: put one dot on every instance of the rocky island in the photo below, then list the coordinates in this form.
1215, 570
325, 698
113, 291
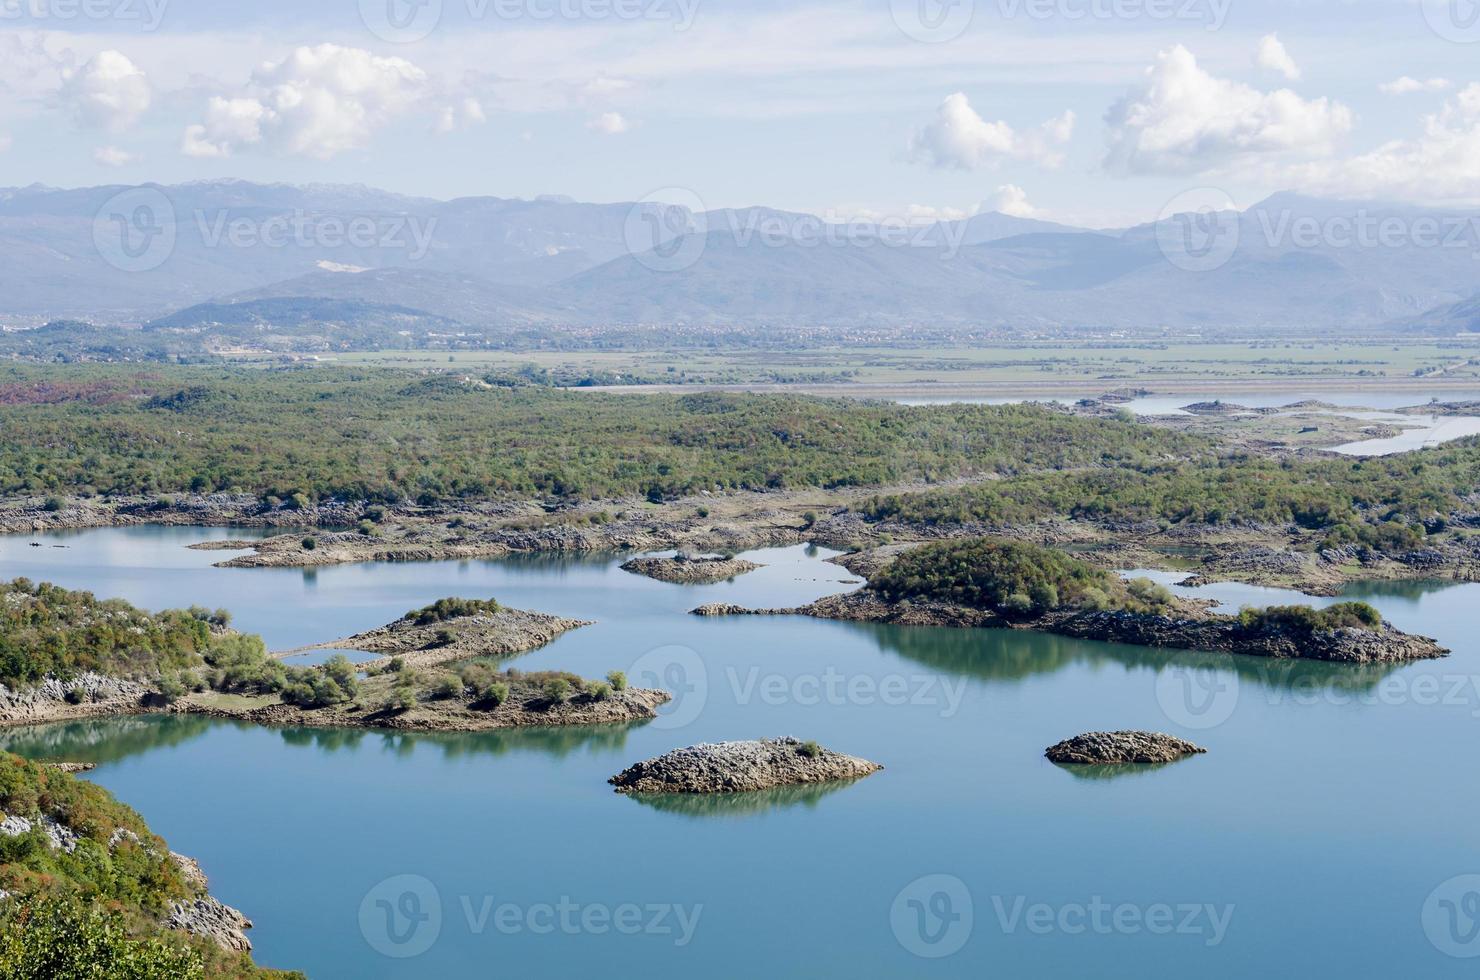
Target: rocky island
456, 629
71, 655
684, 569
737, 767
1121, 748
985, 582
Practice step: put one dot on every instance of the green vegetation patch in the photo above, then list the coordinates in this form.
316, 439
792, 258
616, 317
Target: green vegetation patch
451, 608
367, 434
1011, 578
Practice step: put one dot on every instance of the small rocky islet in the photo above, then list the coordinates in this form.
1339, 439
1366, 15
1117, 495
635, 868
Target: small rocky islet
739, 767
1121, 748
684, 569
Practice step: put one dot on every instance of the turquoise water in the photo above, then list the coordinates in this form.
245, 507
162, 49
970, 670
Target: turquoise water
1316, 836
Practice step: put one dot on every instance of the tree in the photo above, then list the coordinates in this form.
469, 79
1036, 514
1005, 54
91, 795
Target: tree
61, 939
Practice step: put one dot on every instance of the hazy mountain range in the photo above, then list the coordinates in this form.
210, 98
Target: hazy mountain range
267, 257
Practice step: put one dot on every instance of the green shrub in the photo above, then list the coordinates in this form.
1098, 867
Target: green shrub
496, 693
617, 679
447, 686
451, 608
63, 939
309, 544
599, 691
810, 749
557, 690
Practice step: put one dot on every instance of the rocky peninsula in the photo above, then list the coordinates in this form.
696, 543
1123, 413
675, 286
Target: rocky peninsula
1012, 585
1121, 748
458, 630
683, 569
738, 767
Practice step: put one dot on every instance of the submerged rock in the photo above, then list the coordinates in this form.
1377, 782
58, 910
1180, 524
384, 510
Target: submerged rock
686, 570
1118, 748
737, 767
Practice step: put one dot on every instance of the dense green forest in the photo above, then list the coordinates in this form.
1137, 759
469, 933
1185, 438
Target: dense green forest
1012, 578
50, 631
386, 435
1384, 501
47, 631
96, 909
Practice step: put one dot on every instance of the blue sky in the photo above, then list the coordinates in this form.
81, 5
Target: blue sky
1098, 112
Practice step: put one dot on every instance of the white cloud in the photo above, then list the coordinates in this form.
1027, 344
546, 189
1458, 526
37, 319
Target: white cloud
464, 115
958, 138
109, 92
1272, 56
317, 102
1407, 86
1182, 120
112, 156
1441, 165
609, 123
1010, 199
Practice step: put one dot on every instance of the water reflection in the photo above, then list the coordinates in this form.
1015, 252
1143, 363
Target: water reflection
1094, 773
738, 805
103, 740
1013, 655
555, 741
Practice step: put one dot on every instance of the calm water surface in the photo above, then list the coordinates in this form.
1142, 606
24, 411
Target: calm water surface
1331, 806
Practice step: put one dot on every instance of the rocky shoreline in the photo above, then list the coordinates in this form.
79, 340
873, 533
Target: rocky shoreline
684, 570
1272, 555
504, 633
1121, 748
524, 709
740, 767
1209, 633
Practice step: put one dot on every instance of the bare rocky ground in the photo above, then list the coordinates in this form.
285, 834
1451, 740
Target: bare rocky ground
683, 569
1188, 626
528, 706
737, 767
502, 634
1121, 748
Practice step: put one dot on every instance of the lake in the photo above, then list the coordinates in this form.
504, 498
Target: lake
1327, 830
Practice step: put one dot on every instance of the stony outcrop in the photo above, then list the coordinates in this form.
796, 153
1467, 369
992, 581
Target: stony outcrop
82, 696
204, 915
500, 634
736, 767
201, 913
686, 570
1121, 748
1384, 644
